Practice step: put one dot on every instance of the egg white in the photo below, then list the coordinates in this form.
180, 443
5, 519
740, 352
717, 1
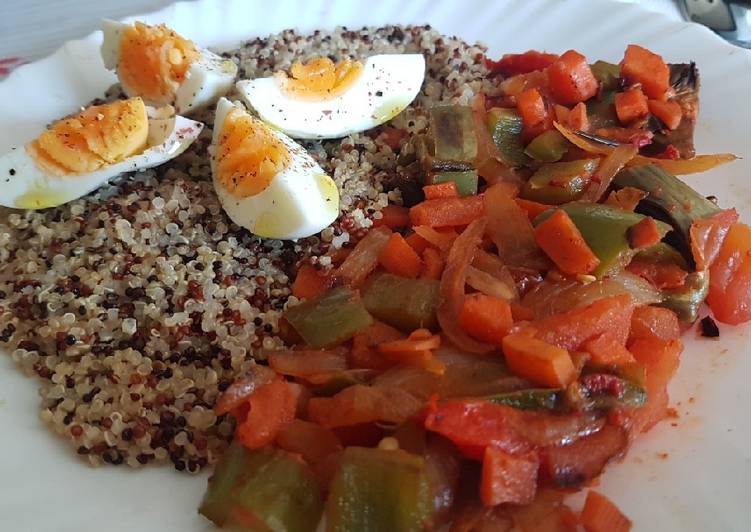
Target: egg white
208, 78
24, 184
300, 201
386, 86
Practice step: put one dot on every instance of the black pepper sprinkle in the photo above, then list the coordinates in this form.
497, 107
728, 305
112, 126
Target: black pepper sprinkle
709, 328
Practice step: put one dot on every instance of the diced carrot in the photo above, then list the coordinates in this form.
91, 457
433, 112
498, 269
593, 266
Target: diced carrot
663, 275
508, 478
669, 112
535, 116
571, 79
631, 105
442, 239
441, 190
416, 350
559, 237
416, 242
433, 264
399, 258
571, 329
643, 66
419, 340
364, 353
538, 361
607, 350
393, 217
601, 515
448, 212
644, 234
271, 406
513, 64
486, 318
577, 118
309, 282
532, 208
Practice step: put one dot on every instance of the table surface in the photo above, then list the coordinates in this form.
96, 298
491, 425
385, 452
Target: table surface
30, 29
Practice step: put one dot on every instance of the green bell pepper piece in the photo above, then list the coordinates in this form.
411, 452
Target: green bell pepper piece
605, 228
601, 111
686, 301
273, 489
532, 399
671, 198
281, 492
505, 126
557, 183
406, 304
466, 182
217, 501
375, 490
607, 74
330, 319
548, 147
452, 128
662, 253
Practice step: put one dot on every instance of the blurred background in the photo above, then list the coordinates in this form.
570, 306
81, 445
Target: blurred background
30, 29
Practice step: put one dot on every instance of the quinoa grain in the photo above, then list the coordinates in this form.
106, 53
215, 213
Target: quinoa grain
137, 305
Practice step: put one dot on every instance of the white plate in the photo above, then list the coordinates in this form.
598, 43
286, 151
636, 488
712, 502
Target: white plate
700, 486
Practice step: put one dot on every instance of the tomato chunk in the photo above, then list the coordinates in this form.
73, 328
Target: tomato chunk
730, 277
571, 329
508, 478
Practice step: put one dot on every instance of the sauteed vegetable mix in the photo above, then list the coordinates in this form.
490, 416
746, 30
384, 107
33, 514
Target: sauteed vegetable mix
507, 332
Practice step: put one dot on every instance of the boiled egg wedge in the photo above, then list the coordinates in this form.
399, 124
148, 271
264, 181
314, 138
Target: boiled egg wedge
322, 99
163, 68
79, 154
265, 181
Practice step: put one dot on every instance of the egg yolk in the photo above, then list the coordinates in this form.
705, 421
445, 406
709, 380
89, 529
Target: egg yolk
248, 155
320, 78
96, 137
153, 61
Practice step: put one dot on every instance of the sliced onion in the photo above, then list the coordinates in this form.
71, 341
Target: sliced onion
700, 163
555, 297
511, 231
487, 284
580, 142
609, 166
305, 364
493, 265
466, 375
453, 281
364, 258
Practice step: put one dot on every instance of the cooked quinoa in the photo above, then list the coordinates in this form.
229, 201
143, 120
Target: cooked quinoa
136, 306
